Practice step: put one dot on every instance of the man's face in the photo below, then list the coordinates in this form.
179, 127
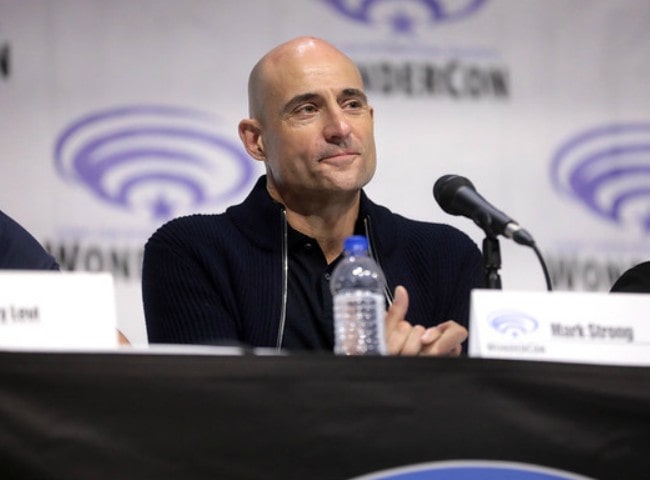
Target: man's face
317, 130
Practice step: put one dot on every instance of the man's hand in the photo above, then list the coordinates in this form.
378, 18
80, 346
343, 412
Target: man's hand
402, 338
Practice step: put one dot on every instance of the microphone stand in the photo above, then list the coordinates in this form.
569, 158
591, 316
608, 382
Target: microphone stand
492, 261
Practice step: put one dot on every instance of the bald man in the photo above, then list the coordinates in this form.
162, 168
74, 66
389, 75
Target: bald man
258, 274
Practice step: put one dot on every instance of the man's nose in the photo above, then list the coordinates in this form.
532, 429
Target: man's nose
337, 126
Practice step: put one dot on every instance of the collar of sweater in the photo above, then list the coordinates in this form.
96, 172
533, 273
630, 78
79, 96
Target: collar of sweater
260, 219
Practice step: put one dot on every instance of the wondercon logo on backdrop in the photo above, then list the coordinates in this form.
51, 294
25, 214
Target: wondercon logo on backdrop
406, 58
512, 323
157, 159
405, 16
607, 169
473, 470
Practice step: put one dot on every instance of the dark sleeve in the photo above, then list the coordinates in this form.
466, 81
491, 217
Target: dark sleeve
469, 275
20, 250
184, 293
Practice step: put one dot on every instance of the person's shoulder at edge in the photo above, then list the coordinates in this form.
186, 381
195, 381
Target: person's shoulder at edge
20, 250
634, 280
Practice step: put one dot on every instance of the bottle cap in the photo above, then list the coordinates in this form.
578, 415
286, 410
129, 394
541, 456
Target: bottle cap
355, 244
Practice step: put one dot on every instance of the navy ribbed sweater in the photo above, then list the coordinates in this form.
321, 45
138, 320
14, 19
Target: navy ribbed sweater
218, 278
19, 250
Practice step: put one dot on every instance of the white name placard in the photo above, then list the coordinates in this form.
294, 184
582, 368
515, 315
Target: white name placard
57, 310
575, 327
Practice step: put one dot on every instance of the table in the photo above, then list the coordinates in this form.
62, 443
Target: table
114, 415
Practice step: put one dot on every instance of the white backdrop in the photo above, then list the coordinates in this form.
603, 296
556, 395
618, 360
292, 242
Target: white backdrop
115, 116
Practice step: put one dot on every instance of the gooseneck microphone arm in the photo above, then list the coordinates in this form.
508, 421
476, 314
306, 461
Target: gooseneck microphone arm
456, 195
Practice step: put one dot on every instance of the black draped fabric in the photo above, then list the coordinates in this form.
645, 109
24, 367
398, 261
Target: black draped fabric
139, 416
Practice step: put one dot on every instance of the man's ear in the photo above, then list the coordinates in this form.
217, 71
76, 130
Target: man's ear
250, 133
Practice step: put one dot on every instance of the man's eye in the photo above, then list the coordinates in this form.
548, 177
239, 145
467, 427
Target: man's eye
353, 104
306, 109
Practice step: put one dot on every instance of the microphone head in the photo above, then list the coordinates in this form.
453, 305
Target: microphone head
444, 191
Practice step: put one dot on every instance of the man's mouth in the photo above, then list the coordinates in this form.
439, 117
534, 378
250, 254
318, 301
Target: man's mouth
339, 156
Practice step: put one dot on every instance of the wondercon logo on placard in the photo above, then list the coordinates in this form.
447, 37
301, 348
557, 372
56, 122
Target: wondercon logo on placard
473, 470
607, 169
405, 16
512, 323
158, 159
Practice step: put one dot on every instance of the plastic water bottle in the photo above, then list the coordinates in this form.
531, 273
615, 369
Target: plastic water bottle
357, 286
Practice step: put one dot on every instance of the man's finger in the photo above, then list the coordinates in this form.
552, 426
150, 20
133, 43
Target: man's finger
397, 311
448, 343
397, 337
413, 344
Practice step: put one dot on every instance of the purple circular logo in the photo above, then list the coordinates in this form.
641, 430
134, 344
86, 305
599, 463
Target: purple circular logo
163, 160
405, 16
512, 323
473, 470
607, 169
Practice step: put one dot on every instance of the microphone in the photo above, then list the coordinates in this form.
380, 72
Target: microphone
456, 195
